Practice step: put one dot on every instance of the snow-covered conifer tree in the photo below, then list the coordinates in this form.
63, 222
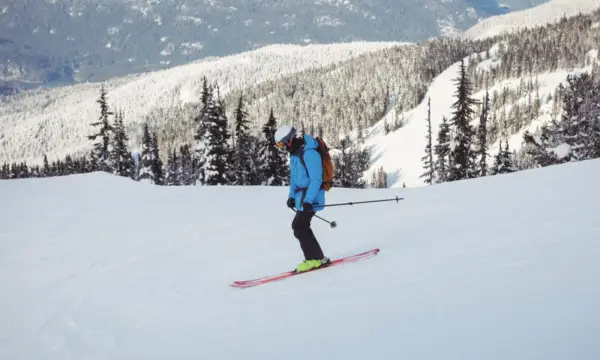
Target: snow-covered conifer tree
214, 146
120, 155
157, 164
482, 134
147, 158
243, 164
442, 151
187, 173
173, 169
101, 146
273, 168
427, 160
462, 156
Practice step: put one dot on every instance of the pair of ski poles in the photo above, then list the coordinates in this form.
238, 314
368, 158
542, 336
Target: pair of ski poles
333, 224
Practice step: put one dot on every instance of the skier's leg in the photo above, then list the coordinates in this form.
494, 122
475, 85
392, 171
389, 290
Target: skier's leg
302, 231
315, 247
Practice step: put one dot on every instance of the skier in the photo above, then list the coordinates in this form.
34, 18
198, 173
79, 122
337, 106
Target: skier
306, 193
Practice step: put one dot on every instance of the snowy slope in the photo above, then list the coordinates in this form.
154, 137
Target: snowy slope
400, 152
57, 121
540, 15
99, 267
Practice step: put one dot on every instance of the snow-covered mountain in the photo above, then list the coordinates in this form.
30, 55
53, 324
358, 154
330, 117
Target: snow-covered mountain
549, 12
62, 41
340, 87
97, 266
57, 121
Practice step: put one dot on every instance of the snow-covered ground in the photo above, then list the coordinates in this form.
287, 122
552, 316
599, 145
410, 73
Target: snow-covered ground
98, 267
540, 15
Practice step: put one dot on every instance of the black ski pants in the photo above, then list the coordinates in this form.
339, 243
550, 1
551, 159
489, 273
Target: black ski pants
306, 237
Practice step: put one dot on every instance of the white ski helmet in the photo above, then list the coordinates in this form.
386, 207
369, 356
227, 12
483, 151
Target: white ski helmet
284, 133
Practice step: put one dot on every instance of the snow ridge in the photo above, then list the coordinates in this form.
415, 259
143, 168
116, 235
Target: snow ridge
540, 15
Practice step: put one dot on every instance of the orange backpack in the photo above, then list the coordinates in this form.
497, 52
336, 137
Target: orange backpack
326, 161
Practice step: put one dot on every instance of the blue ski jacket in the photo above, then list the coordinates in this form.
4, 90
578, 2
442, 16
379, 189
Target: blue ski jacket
305, 186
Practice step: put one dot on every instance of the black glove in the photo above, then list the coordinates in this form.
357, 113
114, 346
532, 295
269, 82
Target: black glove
291, 203
307, 207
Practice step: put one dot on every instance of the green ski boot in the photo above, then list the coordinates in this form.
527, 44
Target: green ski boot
307, 265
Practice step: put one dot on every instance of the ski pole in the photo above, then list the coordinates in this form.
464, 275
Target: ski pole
333, 224
396, 199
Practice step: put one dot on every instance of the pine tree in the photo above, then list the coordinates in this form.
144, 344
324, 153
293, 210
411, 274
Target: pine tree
20, 171
121, 159
497, 161
386, 101
214, 146
255, 148
589, 114
462, 156
442, 151
361, 164
482, 136
575, 137
379, 178
5, 173
147, 173
54, 168
507, 161
571, 130
206, 93
594, 133
157, 164
273, 168
428, 164
503, 161
185, 168
69, 166
102, 147
538, 146
173, 169
343, 165
82, 166
243, 165
350, 164
92, 164
46, 168
201, 148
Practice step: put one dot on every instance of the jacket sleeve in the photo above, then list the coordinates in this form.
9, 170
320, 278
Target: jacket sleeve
312, 159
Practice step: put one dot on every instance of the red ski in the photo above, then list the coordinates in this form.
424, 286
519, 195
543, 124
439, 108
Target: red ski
267, 279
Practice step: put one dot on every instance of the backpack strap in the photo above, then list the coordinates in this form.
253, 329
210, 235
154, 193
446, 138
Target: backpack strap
302, 161
302, 158
304, 164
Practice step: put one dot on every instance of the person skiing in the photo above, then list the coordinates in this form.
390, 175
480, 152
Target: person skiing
306, 193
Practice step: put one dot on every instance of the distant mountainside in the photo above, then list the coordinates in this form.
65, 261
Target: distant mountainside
549, 12
55, 42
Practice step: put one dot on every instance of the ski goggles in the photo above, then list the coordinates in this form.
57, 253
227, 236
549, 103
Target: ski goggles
285, 142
